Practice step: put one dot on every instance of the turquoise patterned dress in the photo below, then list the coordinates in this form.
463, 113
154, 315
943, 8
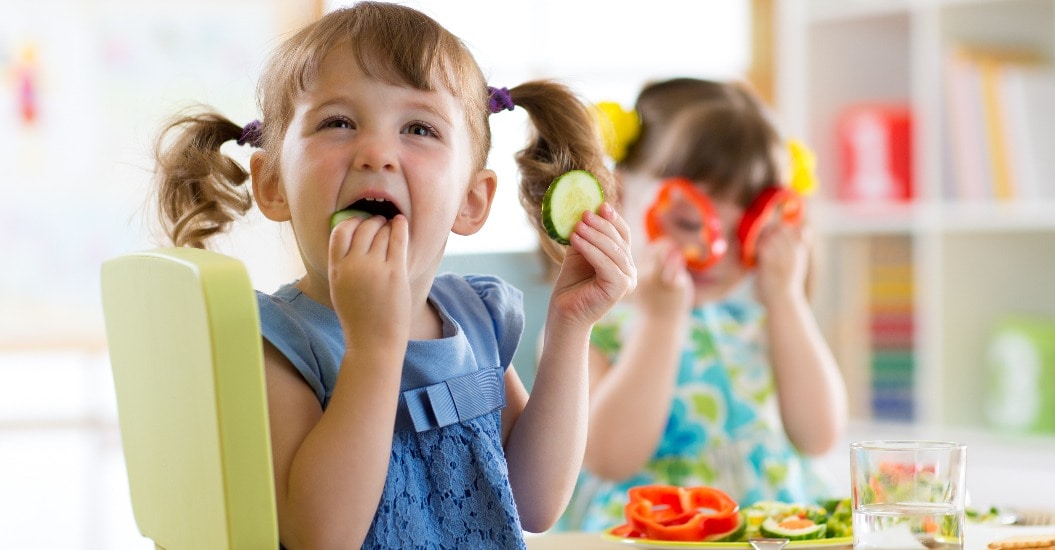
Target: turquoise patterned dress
724, 429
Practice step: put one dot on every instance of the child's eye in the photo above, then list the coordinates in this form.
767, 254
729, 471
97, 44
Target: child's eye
336, 122
687, 224
420, 129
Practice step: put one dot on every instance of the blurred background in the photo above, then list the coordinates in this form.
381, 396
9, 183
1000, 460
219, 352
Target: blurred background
932, 122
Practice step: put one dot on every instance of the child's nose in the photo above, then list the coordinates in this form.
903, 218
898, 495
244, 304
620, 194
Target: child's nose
374, 152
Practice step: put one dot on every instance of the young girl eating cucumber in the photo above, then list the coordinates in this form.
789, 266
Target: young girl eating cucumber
713, 372
396, 418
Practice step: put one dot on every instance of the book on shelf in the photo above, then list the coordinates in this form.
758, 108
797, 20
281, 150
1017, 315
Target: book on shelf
1000, 117
996, 131
875, 153
892, 332
1029, 96
891, 327
965, 127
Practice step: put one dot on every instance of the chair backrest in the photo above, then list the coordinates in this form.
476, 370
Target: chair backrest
183, 331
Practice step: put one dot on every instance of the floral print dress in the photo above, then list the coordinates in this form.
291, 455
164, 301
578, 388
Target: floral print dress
724, 428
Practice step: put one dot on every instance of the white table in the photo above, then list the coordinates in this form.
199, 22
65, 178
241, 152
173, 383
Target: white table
976, 537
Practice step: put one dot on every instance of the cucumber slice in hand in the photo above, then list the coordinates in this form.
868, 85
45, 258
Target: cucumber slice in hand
341, 215
570, 194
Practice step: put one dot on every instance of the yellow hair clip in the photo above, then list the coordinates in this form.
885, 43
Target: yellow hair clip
803, 168
619, 128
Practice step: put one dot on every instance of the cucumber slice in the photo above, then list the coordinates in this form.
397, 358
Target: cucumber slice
792, 531
341, 215
570, 194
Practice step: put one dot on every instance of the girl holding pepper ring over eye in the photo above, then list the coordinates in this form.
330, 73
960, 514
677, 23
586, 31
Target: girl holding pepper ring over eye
713, 372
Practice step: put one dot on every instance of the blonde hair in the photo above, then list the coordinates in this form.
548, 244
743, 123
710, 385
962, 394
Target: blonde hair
201, 190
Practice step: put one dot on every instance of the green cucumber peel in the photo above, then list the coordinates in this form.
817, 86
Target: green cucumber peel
341, 215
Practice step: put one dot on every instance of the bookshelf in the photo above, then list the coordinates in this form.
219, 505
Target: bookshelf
947, 263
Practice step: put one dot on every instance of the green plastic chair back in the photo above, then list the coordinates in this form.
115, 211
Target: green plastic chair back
184, 336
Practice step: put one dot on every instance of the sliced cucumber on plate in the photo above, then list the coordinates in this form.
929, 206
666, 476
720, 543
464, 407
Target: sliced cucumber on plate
793, 529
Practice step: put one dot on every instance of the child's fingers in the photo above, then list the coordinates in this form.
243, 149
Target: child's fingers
673, 266
398, 238
782, 255
603, 236
606, 225
608, 212
354, 237
590, 249
341, 239
660, 258
613, 268
377, 247
778, 238
805, 233
370, 236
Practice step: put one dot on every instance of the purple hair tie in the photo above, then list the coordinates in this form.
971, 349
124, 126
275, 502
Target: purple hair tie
498, 99
252, 134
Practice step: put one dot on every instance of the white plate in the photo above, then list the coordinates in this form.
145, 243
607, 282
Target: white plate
827, 544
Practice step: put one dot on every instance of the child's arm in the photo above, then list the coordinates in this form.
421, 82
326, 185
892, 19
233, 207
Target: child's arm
810, 388
547, 434
330, 467
630, 401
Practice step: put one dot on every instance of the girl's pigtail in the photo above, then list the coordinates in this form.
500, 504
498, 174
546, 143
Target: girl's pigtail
566, 137
200, 190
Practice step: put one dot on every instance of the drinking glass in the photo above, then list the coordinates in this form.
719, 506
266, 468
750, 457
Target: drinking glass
908, 494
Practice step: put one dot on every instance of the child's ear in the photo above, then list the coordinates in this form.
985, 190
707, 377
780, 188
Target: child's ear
477, 203
267, 189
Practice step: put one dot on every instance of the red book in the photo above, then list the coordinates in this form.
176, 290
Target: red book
875, 153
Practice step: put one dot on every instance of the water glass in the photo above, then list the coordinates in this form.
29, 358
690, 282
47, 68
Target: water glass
908, 494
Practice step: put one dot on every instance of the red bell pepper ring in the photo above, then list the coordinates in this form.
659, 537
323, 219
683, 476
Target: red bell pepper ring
712, 244
779, 204
663, 512
667, 502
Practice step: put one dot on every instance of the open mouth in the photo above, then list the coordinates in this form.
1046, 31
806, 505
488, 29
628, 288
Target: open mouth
376, 207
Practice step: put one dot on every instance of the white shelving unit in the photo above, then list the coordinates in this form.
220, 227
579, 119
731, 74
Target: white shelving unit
972, 262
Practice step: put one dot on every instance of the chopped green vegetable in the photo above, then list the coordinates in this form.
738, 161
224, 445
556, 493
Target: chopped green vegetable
835, 515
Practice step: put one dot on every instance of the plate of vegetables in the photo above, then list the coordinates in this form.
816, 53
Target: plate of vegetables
665, 516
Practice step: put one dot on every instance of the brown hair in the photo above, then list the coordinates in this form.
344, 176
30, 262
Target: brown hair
566, 138
707, 131
714, 132
200, 189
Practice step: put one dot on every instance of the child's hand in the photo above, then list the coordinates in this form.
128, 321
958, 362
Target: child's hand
369, 286
783, 258
598, 270
664, 288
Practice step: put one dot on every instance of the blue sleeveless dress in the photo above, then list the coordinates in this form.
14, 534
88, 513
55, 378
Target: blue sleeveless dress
447, 484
